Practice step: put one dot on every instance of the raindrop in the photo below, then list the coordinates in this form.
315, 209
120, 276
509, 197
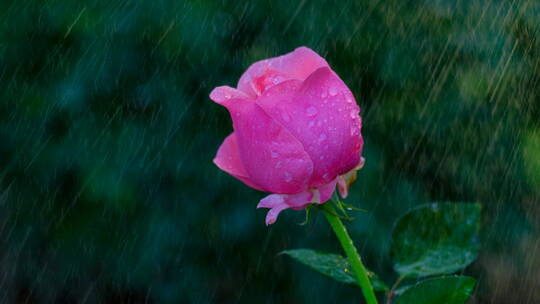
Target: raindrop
285, 117
288, 177
332, 91
354, 130
277, 80
311, 111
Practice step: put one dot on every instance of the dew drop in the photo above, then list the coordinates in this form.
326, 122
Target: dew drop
274, 154
332, 91
277, 80
326, 176
354, 131
288, 177
311, 111
322, 137
285, 117
349, 99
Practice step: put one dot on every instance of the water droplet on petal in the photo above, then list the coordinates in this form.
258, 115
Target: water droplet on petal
311, 123
278, 165
322, 137
354, 130
349, 99
274, 154
326, 176
332, 91
288, 177
323, 94
285, 117
277, 80
311, 111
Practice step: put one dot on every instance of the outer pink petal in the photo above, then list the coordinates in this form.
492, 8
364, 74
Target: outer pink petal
298, 64
326, 191
280, 202
325, 119
224, 93
228, 160
272, 157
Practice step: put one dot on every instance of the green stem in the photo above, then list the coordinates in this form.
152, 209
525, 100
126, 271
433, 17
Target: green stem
354, 258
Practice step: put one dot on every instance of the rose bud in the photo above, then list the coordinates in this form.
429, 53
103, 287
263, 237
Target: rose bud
296, 131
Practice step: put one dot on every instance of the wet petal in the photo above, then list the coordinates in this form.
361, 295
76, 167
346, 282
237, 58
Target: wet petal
280, 202
228, 160
263, 74
273, 158
323, 116
225, 93
298, 201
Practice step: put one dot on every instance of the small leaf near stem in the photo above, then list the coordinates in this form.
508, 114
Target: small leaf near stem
333, 266
306, 220
390, 294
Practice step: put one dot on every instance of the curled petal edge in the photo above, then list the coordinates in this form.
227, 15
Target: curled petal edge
344, 181
297, 201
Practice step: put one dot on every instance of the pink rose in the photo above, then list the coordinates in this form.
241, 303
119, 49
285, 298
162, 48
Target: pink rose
296, 131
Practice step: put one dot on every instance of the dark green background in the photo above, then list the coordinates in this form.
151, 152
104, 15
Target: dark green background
108, 193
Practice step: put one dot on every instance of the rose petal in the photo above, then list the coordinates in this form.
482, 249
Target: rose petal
280, 202
225, 93
298, 201
323, 116
326, 191
263, 74
345, 180
228, 160
272, 157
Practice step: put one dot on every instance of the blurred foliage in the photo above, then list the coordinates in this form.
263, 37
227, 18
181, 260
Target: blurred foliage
439, 238
448, 290
108, 193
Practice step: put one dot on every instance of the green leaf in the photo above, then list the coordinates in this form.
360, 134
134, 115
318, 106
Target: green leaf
448, 290
439, 238
332, 265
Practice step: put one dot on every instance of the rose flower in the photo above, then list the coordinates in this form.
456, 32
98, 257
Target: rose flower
296, 131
